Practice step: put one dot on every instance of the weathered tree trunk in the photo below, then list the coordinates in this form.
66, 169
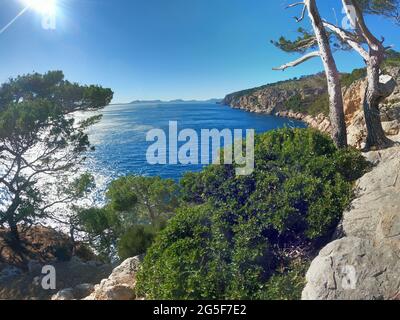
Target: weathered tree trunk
336, 109
376, 138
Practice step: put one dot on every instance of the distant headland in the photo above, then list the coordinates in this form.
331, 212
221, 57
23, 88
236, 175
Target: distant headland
171, 101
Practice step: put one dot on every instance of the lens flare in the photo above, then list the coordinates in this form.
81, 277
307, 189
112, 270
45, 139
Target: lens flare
42, 6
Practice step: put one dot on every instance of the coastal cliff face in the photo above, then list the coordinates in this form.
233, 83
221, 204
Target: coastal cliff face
306, 99
274, 98
363, 261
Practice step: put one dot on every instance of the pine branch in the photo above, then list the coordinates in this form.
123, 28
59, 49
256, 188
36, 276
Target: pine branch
295, 63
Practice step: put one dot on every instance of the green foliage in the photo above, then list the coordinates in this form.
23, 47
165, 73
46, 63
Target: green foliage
186, 262
313, 107
81, 186
349, 78
319, 105
136, 240
295, 103
387, 8
102, 227
287, 284
53, 88
304, 42
149, 199
227, 242
38, 137
136, 209
392, 59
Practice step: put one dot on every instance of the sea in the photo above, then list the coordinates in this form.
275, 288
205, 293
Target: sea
120, 137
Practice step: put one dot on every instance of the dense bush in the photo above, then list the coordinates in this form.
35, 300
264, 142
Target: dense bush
226, 243
136, 240
137, 207
287, 284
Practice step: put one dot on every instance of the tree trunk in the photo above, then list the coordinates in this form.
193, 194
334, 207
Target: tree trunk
376, 138
336, 109
15, 239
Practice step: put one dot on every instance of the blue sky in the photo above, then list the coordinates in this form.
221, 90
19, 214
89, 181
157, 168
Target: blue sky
165, 49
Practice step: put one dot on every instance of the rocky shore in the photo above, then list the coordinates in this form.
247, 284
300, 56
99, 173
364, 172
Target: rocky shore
272, 99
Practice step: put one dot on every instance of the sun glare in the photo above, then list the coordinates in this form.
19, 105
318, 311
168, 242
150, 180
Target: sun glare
42, 6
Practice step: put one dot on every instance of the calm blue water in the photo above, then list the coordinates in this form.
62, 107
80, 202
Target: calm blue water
120, 137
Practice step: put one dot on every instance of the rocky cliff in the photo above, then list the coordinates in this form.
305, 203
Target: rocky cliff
280, 96
363, 261
306, 99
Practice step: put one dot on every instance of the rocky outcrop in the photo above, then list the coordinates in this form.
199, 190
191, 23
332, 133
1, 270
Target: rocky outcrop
319, 122
353, 97
272, 99
77, 293
121, 283
363, 263
22, 273
73, 278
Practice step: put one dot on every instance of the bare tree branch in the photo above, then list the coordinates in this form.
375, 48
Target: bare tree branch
303, 13
351, 6
296, 4
349, 38
295, 63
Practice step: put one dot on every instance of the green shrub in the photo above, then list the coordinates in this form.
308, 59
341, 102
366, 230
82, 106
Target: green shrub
227, 242
133, 203
319, 105
287, 284
136, 241
295, 103
312, 106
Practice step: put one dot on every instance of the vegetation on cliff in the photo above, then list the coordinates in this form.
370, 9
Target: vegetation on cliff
307, 94
232, 236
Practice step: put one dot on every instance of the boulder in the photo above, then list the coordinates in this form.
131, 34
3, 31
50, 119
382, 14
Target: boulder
353, 269
121, 283
387, 84
83, 290
391, 128
76, 293
65, 294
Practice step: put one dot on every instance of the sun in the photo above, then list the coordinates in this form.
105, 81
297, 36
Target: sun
42, 6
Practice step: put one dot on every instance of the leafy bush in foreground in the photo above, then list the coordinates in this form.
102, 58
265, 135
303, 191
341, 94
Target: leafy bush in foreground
227, 242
